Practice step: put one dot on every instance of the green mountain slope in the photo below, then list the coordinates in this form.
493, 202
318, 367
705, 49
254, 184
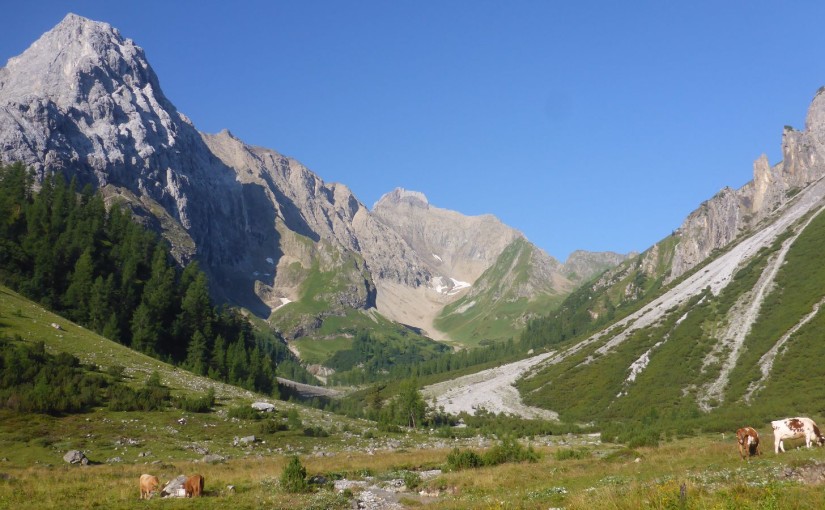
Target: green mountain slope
503, 298
717, 358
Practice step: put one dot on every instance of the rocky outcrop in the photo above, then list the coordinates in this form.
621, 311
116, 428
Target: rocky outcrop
721, 219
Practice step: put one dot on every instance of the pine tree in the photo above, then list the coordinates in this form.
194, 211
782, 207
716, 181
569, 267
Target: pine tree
80, 291
238, 362
196, 358
101, 302
196, 312
411, 405
217, 368
150, 324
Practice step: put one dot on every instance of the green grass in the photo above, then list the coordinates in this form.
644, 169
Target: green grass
494, 310
316, 350
599, 475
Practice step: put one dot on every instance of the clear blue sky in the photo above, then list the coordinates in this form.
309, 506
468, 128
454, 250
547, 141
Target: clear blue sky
586, 125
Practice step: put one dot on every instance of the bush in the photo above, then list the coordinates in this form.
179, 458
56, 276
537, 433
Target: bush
117, 372
244, 412
412, 480
569, 453
293, 477
272, 426
151, 397
463, 459
509, 450
644, 438
198, 404
294, 419
315, 432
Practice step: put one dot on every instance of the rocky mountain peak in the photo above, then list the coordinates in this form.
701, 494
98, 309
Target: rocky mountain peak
67, 63
815, 119
402, 196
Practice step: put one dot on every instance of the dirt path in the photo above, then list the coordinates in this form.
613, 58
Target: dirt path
490, 389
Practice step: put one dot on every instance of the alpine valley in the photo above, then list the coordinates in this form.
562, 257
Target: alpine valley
455, 364
720, 320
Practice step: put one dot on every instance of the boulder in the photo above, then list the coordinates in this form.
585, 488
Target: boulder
263, 406
174, 488
246, 440
76, 457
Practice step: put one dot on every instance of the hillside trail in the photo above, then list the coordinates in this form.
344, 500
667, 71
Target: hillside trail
493, 389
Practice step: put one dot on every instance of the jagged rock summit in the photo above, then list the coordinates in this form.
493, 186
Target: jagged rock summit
84, 101
719, 220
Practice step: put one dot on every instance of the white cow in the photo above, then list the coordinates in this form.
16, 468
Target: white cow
795, 428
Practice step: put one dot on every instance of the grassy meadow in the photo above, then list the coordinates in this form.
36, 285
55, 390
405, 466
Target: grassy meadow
572, 473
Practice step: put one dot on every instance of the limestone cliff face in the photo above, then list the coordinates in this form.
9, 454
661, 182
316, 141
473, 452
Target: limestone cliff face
721, 219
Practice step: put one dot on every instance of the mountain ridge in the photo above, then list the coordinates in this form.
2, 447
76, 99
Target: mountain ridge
260, 223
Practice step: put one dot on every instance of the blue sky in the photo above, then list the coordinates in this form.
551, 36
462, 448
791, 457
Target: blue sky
586, 125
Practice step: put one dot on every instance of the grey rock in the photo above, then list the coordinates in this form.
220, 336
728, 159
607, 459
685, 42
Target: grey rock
174, 488
75, 457
263, 406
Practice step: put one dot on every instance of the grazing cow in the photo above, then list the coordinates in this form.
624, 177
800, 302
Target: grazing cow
748, 439
795, 428
148, 485
193, 487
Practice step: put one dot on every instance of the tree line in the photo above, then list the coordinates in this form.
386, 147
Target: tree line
96, 266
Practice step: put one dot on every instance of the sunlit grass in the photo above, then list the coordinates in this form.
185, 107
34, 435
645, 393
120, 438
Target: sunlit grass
703, 472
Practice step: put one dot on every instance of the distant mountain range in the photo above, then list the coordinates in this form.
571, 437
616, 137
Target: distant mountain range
272, 236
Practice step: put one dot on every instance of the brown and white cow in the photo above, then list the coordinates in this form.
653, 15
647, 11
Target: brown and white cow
795, 428
748, 439
148, 485
193, 487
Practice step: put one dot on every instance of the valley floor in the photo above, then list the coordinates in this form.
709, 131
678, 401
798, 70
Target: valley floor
573, 472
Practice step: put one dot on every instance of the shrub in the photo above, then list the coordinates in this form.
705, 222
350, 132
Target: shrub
293, 477
151, 397
117, 372
244, 412
294, 419
412, 480
463, 459
644, 438
272, 426
315, 432
201, 404
509, 450
569, 453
